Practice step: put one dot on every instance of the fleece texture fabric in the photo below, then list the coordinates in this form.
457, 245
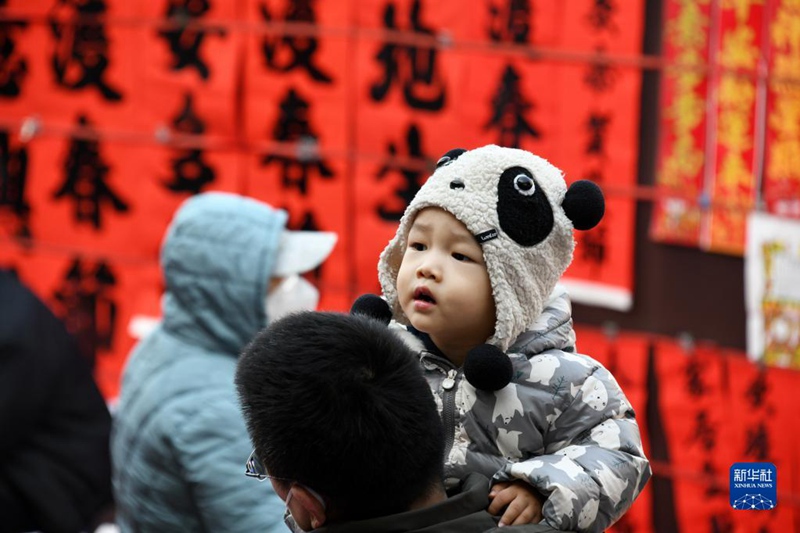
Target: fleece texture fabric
486, 190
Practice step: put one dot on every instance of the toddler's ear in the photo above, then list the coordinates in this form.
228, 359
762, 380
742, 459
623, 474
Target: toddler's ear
372, 306
488, 368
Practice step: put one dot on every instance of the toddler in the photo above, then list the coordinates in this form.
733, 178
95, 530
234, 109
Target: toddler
475, 261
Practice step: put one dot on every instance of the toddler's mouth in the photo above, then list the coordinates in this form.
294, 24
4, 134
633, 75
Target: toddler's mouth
422, 294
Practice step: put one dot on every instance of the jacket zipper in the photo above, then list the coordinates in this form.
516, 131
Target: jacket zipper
449, 410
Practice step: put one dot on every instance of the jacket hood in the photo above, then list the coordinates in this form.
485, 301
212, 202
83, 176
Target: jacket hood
217, 257
552, 330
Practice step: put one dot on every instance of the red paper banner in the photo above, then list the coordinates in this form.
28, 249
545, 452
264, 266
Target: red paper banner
297, 115
75, 61
731, 102
782, 168
684, 93
761, 411
114, 113
738, 150
604, 150
692, 399
412, 108
418, 102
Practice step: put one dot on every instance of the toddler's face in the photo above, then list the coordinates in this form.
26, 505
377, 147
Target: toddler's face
442, 285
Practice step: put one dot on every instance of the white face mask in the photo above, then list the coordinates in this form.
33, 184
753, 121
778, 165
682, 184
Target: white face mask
292, 295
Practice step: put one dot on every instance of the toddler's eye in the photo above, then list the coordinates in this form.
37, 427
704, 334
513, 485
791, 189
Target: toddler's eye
460, 257
524, 184
418, 246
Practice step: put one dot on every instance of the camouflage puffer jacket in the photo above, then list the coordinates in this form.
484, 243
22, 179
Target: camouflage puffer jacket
563, 424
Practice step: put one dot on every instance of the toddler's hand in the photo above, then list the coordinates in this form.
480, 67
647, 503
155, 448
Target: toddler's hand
522, 503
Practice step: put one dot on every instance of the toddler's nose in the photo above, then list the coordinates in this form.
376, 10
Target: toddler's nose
428, 270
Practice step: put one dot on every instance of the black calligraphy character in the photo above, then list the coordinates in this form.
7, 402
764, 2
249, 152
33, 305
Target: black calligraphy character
299, 48
511, 21
601, 14
704, 431
597, 125
293, 126
309, 223
509, 107
694, 378
757, 442
183, 39
758, 389
88, 310
393, 210
713, 488
190, 173
13, 176
81, 56
85, 180
600, 76
414, 67
593, 246
12, 67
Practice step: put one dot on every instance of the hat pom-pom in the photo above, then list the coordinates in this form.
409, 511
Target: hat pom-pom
584, 204
372, 306
488, 368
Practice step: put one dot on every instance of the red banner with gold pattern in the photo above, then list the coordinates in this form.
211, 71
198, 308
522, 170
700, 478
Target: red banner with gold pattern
683, 125
732, 177
782, 168
729, 136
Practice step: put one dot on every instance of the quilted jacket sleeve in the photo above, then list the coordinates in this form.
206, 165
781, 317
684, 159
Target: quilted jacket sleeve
593, 466
213, 447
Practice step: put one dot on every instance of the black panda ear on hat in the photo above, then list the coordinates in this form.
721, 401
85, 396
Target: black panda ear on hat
584, 204
449, 157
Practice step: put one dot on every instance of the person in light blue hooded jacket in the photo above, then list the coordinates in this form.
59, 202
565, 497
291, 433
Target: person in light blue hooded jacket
179, 443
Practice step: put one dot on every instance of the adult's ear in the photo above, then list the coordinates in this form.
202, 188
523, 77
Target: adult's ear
584, 204
312, 513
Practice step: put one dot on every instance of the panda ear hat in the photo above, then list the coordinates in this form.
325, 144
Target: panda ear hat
519, 207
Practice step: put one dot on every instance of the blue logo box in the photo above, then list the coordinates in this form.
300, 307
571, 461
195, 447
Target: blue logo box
753, 486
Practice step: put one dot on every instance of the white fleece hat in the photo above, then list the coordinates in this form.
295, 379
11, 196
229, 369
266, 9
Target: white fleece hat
518, 207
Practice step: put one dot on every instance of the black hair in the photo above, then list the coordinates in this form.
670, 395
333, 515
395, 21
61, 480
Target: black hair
338, 403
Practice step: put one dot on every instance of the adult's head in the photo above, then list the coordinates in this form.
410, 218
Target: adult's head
341, 418
221, 255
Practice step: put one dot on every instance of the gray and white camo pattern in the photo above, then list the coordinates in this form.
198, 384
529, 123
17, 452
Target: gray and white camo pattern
563, 424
